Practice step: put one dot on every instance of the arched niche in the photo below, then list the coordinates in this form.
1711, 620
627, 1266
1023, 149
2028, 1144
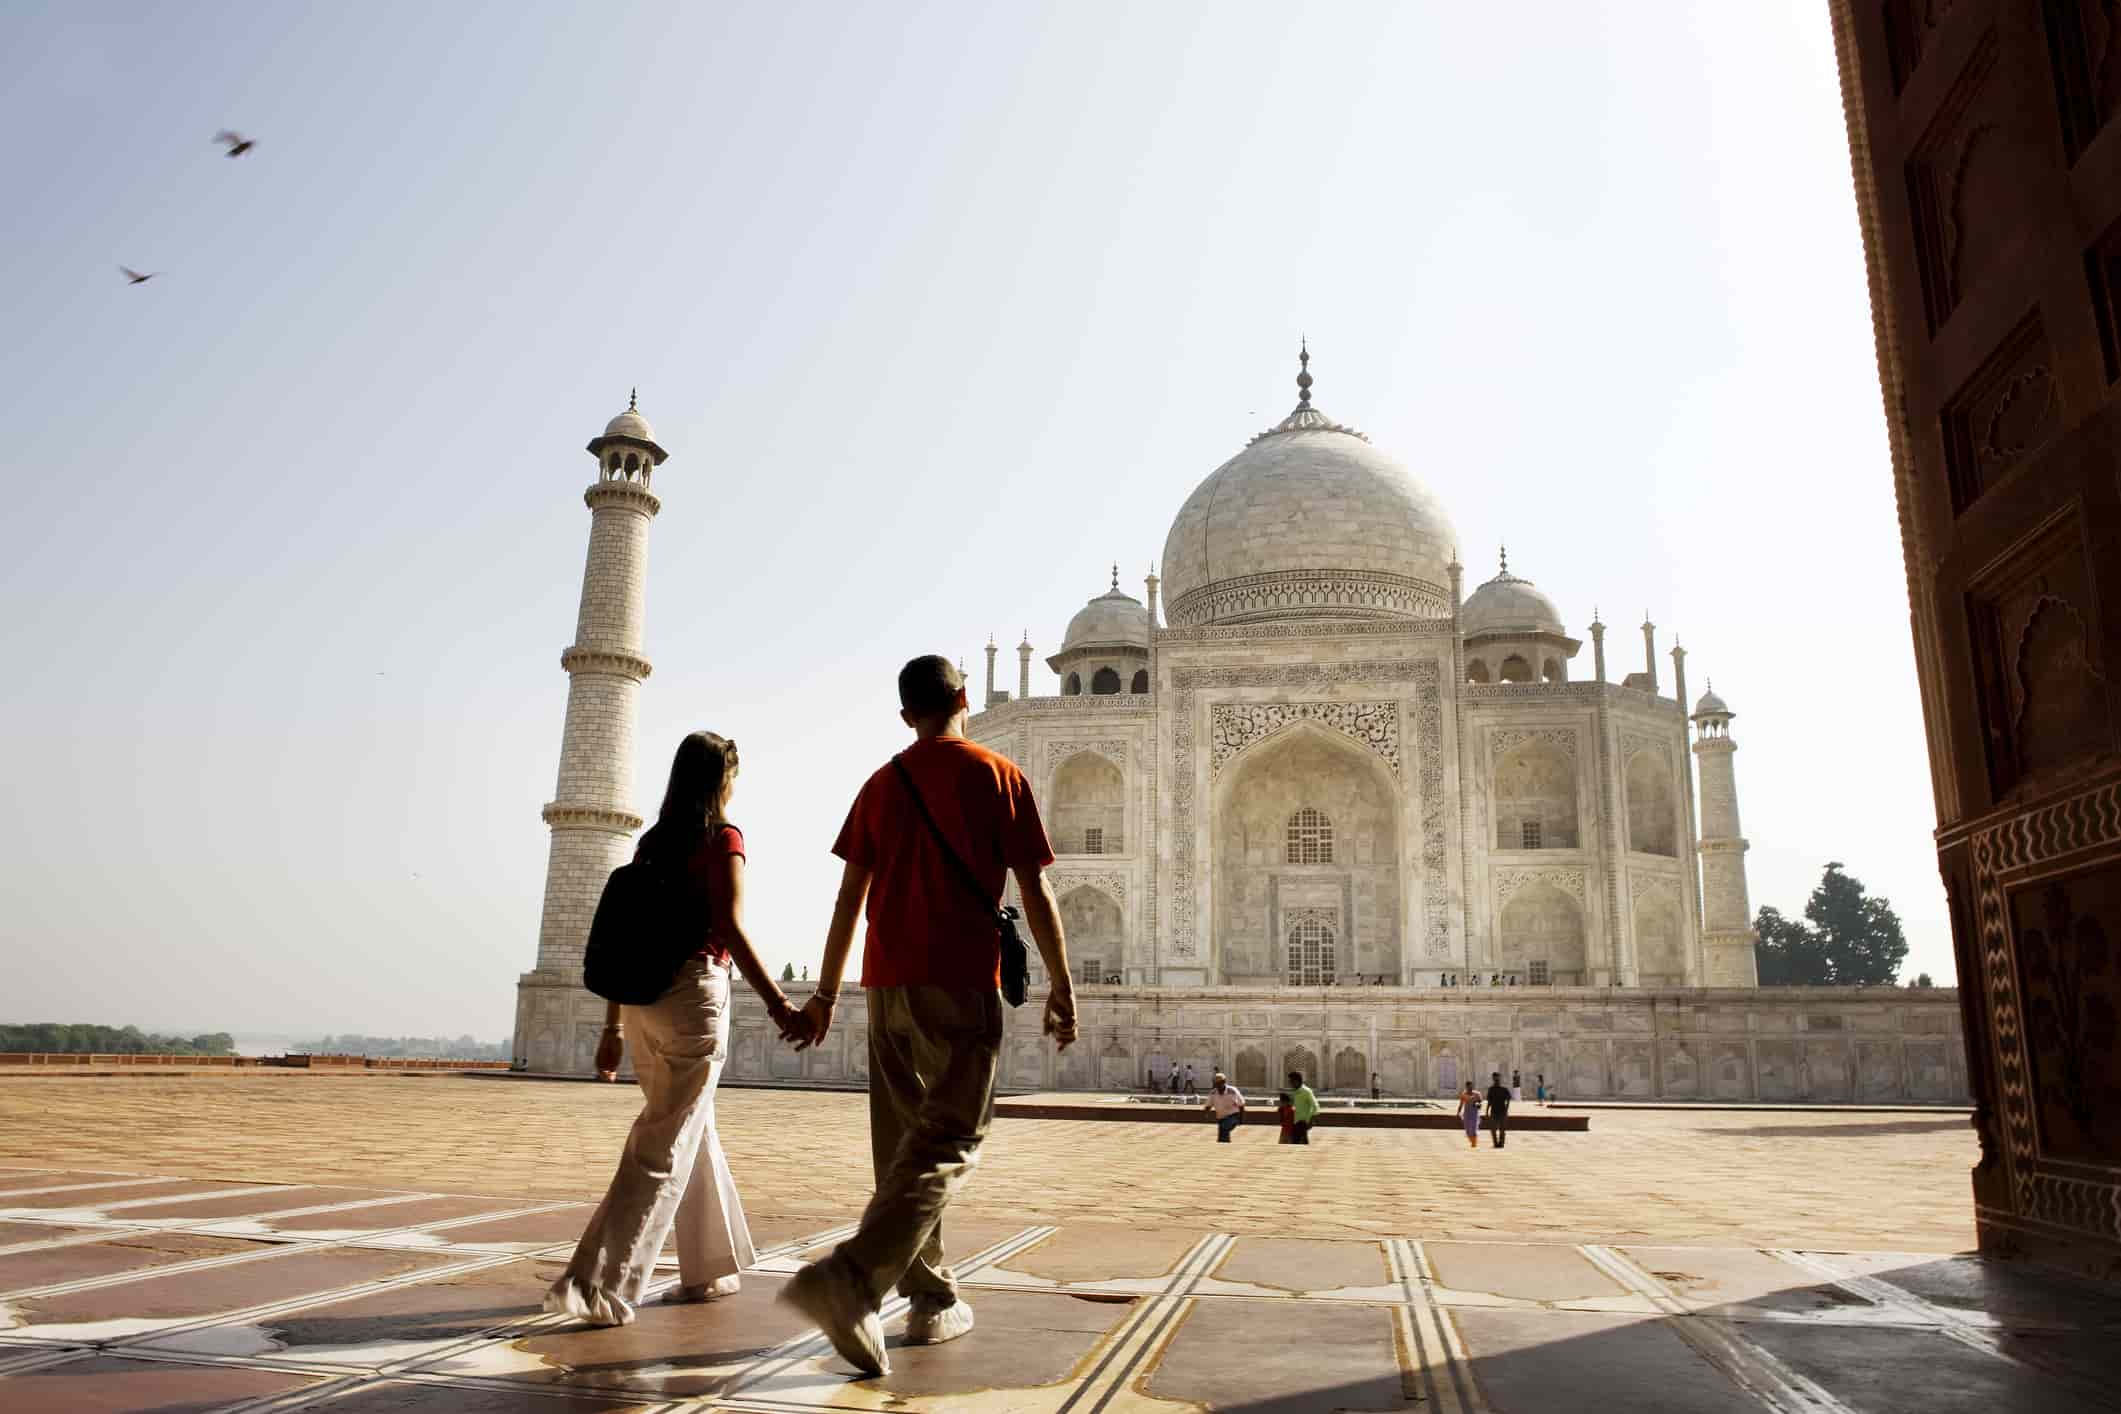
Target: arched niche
1535, 798
1515, 668
1088, 806
1300, 1060
1312, 958
1653, 826
1477, 670
1351, 1070
1104, 683
1141, 680
1551, 670
1660, 955
1254, 887
1072, 685
1542, 923
1249, 1070
1096, 932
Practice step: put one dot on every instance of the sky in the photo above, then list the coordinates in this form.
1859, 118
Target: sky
940, 310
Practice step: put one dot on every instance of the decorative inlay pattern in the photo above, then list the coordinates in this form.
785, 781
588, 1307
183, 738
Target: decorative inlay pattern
1644, 884
1427, 678
2037, 837
1633, 744
1105, 881
1509, 737
1509, 881
1292, 594
1233, 727
1296, 917
1059, 751
1367, 628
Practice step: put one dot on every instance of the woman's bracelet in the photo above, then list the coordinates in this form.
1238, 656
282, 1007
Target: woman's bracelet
831, 998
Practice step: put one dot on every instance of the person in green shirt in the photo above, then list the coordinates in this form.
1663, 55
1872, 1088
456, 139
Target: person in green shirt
1305, 1102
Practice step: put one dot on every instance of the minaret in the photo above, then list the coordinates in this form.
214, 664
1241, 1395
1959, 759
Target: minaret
1023, 667
1727, 936
990, 670
1598, 645
1153, 586
1649, 651
591, 813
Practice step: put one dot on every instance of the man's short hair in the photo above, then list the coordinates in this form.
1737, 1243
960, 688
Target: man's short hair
929, 685
1296, 1077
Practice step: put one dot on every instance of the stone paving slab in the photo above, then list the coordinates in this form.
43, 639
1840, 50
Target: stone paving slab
106, 1385
50, 1265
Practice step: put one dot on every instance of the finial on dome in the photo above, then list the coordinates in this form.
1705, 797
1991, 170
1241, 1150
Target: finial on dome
1303, 376
633, 398
1505, 559
1115, 575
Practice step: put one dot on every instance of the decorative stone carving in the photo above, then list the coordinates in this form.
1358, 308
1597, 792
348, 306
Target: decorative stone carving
1234, 727
1294, 918
1509, 881
1294, 594
1507, 738
1105, 881
1642, 884
1424, 673
1633, 744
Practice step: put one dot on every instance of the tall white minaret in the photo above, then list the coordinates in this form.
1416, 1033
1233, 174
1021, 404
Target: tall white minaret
1727, 936
591, 813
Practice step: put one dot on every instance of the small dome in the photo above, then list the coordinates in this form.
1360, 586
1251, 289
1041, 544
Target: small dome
1508, 604
630, 429
1711, 705
1112, 620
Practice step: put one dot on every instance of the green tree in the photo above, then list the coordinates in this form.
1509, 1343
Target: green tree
1922, 979
1789, 953
1848, 938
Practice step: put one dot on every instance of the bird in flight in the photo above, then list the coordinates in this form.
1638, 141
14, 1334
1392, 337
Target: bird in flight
236, 143
134, 277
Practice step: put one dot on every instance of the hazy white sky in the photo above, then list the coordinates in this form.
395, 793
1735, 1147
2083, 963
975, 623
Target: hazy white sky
940, 310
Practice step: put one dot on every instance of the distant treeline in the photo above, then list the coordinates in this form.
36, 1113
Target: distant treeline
425, 1047
80, 1038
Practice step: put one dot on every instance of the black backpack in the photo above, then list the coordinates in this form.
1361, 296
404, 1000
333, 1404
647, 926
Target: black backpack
650, 918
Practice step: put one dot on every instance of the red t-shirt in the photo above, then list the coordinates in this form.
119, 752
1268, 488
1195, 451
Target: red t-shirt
925, 926
700, 868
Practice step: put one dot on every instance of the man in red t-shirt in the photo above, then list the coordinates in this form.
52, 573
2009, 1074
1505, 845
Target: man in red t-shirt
931, 967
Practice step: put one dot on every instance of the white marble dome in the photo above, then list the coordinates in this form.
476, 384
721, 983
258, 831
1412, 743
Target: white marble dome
1309, 521
629, 428
1112, 620
1711, 705
1509, 604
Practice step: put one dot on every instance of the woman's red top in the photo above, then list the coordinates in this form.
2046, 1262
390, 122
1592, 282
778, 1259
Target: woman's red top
700, 868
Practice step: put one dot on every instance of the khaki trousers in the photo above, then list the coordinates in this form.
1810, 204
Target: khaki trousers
672, 1169
933, 1056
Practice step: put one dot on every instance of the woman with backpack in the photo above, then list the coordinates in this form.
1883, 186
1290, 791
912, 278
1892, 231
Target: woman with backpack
672, 1169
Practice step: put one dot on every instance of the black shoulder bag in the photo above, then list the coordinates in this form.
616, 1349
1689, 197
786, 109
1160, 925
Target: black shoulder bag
1016, 962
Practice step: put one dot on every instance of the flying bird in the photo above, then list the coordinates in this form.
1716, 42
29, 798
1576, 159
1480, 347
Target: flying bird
236, 143
134, 277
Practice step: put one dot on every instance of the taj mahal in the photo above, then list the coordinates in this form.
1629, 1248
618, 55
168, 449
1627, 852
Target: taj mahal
1315, 805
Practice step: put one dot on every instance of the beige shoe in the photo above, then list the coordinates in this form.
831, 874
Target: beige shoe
705, 1291
826, 1294
934, 1325
596, 1308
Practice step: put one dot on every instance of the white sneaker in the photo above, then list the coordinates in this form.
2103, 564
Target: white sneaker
934, 1325
705, 1291
826, 1294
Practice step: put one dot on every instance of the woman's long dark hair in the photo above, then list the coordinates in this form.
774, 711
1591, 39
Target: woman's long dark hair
692, 802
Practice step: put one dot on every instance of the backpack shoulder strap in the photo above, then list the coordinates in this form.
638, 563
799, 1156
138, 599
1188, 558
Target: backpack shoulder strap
964, 871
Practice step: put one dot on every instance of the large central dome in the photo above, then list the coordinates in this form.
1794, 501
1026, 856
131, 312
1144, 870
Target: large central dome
1309, 521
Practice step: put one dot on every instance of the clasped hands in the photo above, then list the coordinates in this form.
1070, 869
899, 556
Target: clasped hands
806, 1026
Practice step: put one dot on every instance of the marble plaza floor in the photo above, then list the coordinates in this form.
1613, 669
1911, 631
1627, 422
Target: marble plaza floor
379, 1243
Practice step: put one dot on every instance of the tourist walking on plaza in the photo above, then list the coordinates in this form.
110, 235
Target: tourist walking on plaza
1192, 1085
1174, 1077
1285, 1116
672, 1169
939, 811
1227, 1105
1469, 1114
1498, 1108
1305, 1104
1541, 1080
1516, 1086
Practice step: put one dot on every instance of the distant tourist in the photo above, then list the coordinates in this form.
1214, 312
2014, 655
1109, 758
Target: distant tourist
1192, 1085
1516, 1087
1541, 1080
1227, 1105
1469, 1113
1306, 1104
1375, 1090
1285, 1115
672, 1169
930, 840
1174, 1077
1498, 1108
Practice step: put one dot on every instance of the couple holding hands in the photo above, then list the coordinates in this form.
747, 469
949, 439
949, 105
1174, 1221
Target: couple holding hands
930, 976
